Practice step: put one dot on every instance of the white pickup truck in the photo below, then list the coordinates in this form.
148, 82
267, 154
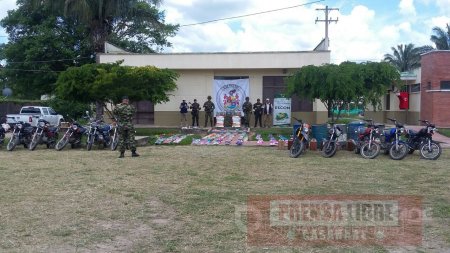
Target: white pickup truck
31, 114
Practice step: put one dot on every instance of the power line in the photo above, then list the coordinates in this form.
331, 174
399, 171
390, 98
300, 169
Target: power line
78, 58
32, 70
252, 14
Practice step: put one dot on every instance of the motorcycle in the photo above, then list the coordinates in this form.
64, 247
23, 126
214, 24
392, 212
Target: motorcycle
22, 134
98, 132
367, 144
44, 134
330, 146
423, 141
3, 130
72, 135
392, 144
300, 141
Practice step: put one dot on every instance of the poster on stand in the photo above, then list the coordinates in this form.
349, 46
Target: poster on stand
229, 95
282, 111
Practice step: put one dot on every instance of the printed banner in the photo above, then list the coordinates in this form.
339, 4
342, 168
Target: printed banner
281, 111
340, 220
229, 95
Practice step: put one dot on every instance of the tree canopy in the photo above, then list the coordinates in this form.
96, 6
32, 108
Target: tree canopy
47, 37
109, 82
441, 38
406, 57
339, 85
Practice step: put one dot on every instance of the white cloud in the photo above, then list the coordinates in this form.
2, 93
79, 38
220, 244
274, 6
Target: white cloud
407, 7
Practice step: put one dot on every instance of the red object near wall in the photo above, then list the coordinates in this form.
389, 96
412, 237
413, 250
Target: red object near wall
404, 100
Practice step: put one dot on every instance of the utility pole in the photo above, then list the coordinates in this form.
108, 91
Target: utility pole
327, 21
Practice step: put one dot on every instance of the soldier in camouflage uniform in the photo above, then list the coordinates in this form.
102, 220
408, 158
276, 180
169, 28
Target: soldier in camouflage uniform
209, 109
124, 114
247, 109
195, 111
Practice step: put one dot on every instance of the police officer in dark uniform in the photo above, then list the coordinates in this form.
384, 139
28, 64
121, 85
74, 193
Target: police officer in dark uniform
195, 107
258, 107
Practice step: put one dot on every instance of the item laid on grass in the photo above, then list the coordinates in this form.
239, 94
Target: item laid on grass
180, 138
196, 141
160, 139
260, 139
283, 138
272, 140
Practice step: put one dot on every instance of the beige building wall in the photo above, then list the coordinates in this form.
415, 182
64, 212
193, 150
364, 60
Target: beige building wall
197, 71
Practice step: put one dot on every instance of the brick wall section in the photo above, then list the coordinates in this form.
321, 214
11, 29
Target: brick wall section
435, 105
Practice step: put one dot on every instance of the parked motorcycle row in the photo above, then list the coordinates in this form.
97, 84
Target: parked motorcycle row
97, 133
372, 139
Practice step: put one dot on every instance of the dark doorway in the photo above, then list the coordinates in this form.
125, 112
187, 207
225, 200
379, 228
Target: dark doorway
273, 85
145, 113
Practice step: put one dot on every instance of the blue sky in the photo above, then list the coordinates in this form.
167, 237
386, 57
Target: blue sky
367, 29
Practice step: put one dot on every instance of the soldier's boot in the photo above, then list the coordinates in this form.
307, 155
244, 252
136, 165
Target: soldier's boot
134, 154
122, 154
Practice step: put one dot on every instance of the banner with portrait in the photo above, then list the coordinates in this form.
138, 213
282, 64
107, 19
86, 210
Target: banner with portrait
229, 95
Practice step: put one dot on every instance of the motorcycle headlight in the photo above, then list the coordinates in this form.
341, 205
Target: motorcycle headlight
338, 132
41, 124
306, 130
402, 130
75, 127
330, 131
19, 126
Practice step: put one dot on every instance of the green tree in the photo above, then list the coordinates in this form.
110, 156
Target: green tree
406, 57
441, 38
109, 82
40, 46
47, 37
338, 85
136, 25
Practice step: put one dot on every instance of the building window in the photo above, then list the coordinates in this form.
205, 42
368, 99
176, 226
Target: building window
415, 87
445, 85
388, 101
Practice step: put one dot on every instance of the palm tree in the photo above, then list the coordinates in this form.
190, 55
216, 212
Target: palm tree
406, 57
441, 38
136, 23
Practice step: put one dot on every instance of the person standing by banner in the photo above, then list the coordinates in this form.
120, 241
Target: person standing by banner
247, 109
258, 107
267, 113
183, 112
209, 109
195, 107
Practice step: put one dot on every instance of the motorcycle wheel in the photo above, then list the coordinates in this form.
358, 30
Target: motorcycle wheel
431, 153
329, 149
62, 143
90, 142
12, 143
115, 140
296, 148
370, 152
34, 142
400, 152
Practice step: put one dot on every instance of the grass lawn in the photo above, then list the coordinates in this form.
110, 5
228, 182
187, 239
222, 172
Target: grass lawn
184, 198
444, 131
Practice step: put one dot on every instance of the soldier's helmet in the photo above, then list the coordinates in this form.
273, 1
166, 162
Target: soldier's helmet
209, 97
